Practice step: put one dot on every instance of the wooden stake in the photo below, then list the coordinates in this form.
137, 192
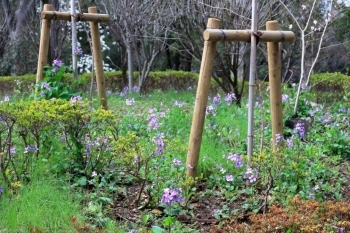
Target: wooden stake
274, 60
44, 44
201, 102
97, 52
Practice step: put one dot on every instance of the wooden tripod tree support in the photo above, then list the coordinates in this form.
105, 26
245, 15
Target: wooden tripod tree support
47, 15
211, 36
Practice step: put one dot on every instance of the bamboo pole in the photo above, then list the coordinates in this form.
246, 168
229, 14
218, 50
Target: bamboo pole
56, 15
74, 39
44, 44
97, 53
245, 35
201, 102
274, 62
252, 76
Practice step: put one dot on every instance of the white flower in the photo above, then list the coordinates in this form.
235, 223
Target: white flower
315, 22
312, 28
303, 7
290, 26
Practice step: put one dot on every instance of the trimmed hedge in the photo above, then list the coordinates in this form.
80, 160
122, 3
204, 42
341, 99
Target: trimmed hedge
156, 80
330, 87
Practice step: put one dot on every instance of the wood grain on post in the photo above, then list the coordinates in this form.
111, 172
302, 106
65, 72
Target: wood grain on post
201, 102
44, 44
56, 15
274, 61
97, 53
245, 35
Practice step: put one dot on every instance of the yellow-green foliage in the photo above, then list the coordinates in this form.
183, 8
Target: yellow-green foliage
127, 148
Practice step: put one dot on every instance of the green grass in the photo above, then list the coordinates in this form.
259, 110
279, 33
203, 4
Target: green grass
42, 205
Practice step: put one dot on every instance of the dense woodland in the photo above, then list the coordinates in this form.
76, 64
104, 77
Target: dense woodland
146, 35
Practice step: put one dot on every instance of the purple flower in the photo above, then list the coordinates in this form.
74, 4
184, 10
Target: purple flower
136, 89
177, 162
284, 98
57, 62
130, 102
172, 195
216, 99
311, 195
211, 110
122, 94
12, 150
78, 52
74, 99
236, 158
30, 149
279, 138
1, 189
300, 128
158, 140
179, 104
250, 174
229, 98
46, 86
290, 143
229, 178
42, 94
6, 98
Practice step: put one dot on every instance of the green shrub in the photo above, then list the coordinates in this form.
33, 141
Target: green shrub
330, 86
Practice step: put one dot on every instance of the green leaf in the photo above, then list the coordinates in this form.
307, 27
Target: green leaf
82, 181
157, 229
168, 221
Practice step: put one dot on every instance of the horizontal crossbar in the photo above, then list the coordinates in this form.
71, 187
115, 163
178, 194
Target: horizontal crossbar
245, 35
56, 15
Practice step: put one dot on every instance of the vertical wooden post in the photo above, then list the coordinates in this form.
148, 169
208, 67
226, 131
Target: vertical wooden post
274, 60
201, 102
97, 52
44, 44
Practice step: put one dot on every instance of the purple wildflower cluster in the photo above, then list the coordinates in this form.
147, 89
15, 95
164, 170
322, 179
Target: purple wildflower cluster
78, 52
12, 150
299, 128
179, 104
211, 110
217, 99
152, 118
1, 189
279, 138
158, 140
229, 98
6, 98
30, 149
75, 99
236, 158
172, 195
177, 162
130, 102
284, 98
250, 174
99, 142
56, 65
126, 89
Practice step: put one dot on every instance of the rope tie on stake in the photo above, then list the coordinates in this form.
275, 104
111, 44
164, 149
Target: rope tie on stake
79, 16
283, 37
257, 34
223, 35
54, 16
